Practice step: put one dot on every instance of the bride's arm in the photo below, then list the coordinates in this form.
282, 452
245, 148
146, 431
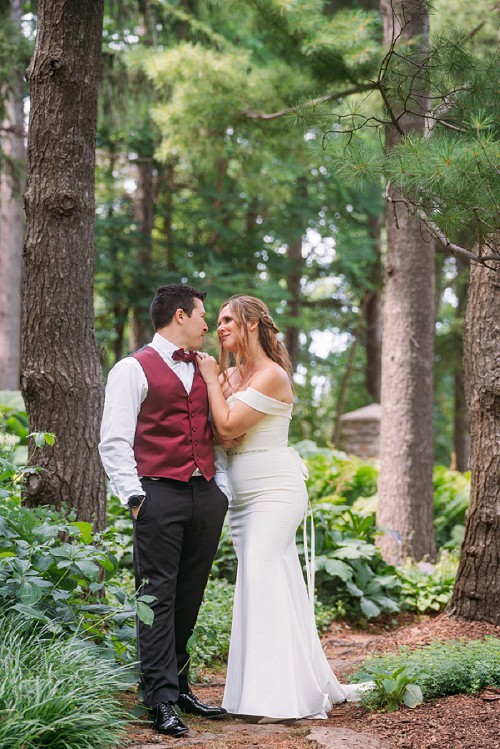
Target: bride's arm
234, 422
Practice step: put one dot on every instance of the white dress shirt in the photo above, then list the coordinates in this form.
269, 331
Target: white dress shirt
126, 390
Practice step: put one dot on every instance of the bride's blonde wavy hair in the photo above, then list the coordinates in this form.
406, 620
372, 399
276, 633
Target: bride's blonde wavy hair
247, 309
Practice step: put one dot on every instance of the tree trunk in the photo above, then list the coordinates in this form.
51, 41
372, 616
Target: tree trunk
293, 279
168, 219
461, 435
141, 331
12, 222
61, 375
294, 276
405, 493
372, 306
346, 376
476, 594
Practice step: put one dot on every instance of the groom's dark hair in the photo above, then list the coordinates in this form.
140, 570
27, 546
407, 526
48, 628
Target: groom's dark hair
168, 299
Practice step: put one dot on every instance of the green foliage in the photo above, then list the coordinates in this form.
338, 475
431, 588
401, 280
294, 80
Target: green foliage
224, 565
335, 477
121, 531
13, 428
209, 643
56, 692
427, 587
451, 499
442, 668
55, 570
350, 572
392, 689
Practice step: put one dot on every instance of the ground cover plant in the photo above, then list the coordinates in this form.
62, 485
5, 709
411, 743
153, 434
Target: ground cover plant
438, 669
56, 692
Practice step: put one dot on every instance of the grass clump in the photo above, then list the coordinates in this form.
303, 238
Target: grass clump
55, 692
442, 668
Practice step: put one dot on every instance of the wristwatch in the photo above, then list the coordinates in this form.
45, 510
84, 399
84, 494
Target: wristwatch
135, 500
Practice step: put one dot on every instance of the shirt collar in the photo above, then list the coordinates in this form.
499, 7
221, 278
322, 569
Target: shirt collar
163, 345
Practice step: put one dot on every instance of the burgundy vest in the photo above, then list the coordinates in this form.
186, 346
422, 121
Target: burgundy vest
173, 435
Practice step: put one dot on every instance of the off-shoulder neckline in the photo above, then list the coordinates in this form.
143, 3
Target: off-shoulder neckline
263, 395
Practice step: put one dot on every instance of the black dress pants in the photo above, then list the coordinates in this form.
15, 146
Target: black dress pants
176, 535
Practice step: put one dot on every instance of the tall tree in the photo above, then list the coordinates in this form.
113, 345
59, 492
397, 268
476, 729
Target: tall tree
405, 491
12, 176
461, 431
477, 589
61, 374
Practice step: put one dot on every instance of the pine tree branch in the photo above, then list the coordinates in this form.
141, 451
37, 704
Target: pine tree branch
436, 232
313, 102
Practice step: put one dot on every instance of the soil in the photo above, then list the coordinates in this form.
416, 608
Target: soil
457, 722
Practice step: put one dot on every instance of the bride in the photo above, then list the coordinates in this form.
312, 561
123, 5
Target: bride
276, 668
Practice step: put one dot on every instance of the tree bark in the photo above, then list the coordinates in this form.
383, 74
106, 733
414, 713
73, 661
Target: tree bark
294, 276
141, 330
12, 180
373, 314
405, 493
461, 434
293, 279
61, 375
476, 595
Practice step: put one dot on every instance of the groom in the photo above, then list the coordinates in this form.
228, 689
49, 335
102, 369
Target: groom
157, 449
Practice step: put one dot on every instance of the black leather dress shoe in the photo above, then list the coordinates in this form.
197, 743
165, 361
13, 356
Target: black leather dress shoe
166, 720
189, 703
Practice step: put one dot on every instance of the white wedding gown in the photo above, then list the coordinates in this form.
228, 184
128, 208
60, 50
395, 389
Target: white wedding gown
277, 667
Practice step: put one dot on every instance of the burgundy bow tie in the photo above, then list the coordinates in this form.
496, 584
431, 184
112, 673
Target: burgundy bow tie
181, 355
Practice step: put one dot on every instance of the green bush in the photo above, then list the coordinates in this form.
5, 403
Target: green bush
121, 530
426, 587
451, 499
209, 643
13, 428
56, 693
54, 570
351, 576
336, 477
391, 690
442, 668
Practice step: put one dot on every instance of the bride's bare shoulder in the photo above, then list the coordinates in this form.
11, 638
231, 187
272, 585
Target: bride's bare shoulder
273, 381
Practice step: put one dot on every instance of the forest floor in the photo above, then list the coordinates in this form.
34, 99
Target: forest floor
457, 722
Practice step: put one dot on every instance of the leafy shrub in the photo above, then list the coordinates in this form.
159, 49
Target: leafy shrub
426, 587
393, 689
54, 570
351, 576
121, 531
442, 668
13, 427
451, 499
56, 692
336, 477
209, 643
225, 563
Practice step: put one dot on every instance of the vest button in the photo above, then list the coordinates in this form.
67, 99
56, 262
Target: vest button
195, 429
196, 444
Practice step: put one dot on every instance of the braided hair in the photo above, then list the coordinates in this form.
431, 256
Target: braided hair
246, 309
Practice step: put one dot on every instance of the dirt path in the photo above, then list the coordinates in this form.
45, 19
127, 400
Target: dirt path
458, 722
